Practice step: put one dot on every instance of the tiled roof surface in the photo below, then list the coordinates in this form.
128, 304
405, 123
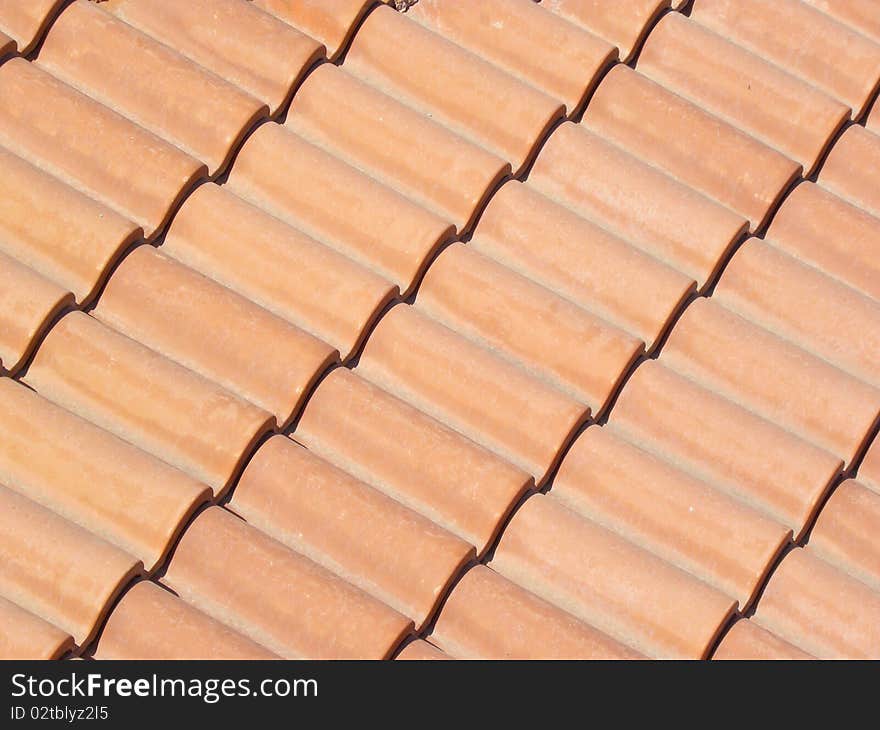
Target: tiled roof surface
513, 330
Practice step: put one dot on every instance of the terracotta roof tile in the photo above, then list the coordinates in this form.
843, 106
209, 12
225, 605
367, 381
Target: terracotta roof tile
398, 146
349, 527
474, 390
684, 520
382, 229
161, 91
337, 300
25, 21
715, 439
452, 86
801, 304
846, 531
619, 588
56, 230
68, 580
332, 23
131, 170
147, 399
775, 379
414, 459
264, 56
277, 597
827, 232
163, 304
91, 477
852, 170
547, 335
420, 650
802, 40
858, 14
705, 152
660, 215
522, 38
580, 261
625, 23
28, 303
152, 623
490, 617
820, 609
26, 636
746, 640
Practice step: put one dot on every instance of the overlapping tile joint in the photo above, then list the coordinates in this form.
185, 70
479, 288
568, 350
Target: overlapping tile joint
480, 330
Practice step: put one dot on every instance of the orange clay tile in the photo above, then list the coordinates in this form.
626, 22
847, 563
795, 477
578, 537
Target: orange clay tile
724, 444
26, 20
393, 143
57, 570
779, 381
91, 477
802, 40
410, 456
624, 23
164, 305
381, 229
25, 636
472, 389
820, 609
28, 304
329, 22
263, 56
276, 597
827, 232
683, 520
350, 528
545, 334
152, 623
56, 230
852, 170
741, 87
335, 299
132, 171
146, 399
861, 15
748, 641
420, 650
489, 617
446, 83
691, 145
636, 201
846, 530
523, 39
606, 581
803, 305
149, 83
580, 261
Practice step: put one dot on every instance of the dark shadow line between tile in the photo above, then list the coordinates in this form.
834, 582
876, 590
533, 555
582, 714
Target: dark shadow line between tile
609, 62
318, 58
827, 150
338, 58
578, 115
633, 58
280, 115
804, 538
33, 51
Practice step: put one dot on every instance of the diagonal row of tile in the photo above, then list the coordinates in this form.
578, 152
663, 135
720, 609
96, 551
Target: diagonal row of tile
178, 416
